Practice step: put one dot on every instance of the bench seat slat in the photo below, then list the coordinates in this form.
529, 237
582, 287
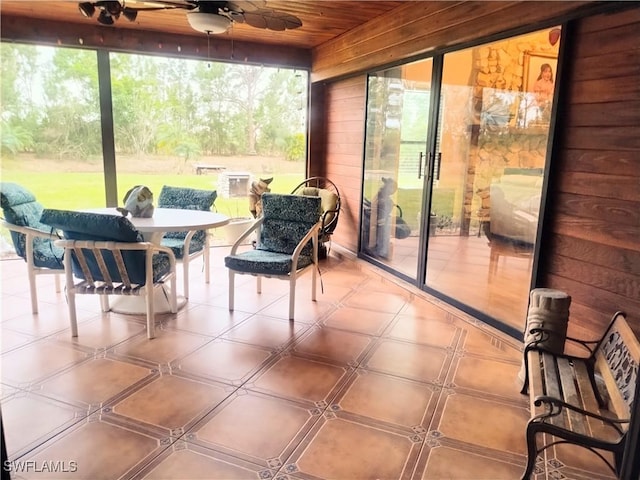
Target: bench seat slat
552, 386
571, 396
535, 378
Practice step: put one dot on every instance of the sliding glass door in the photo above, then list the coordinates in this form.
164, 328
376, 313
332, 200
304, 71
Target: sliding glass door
398, 109
455, 157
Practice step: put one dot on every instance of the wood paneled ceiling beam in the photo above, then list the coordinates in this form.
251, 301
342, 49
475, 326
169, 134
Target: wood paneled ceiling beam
417, 28
49, 32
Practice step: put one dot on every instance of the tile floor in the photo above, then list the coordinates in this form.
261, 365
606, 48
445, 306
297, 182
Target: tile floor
375, 380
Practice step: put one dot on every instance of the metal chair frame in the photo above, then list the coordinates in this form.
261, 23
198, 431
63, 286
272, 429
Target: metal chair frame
78, 248
30, 235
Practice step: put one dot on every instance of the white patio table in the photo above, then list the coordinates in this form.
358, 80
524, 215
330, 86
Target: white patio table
153, 229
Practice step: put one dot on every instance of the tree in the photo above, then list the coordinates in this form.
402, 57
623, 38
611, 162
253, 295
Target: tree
20, 113
71, 126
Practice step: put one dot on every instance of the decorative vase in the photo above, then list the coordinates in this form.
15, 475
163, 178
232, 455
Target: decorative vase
236, 227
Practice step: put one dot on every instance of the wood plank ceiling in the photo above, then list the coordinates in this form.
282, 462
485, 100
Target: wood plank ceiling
321, 20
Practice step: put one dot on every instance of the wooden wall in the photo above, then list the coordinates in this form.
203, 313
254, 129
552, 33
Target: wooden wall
591, 239
591, 242
343, 143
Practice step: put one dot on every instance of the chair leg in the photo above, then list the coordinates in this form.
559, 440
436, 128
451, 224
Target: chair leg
173, 297
57, 282
231, 289
33, 289
31, 269
151, 320
206, 255
185, 264
104, 303
292, 296
259, 284
73, 320
71, 295
314, 282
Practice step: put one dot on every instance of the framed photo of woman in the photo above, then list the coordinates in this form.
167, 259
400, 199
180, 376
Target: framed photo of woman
533, 68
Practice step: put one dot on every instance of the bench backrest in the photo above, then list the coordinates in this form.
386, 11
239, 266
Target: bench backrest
617, 358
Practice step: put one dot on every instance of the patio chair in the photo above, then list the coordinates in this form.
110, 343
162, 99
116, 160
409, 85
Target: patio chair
330, 207
188, 245
32, 239
105, 255
287, 244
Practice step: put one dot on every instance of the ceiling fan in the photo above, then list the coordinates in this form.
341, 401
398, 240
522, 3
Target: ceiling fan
210, 17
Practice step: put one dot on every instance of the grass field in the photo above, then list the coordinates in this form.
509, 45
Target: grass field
73, 185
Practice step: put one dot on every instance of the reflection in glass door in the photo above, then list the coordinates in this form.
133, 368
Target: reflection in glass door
395, 162
483, 150
495, 104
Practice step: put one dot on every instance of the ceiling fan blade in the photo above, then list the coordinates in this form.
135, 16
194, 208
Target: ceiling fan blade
272, 20
255, 20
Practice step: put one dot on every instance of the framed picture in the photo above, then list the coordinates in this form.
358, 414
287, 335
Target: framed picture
532, 63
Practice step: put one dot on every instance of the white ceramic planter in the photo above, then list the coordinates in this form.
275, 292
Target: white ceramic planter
235, 228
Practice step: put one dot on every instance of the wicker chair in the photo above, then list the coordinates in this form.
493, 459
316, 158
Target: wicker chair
330, 207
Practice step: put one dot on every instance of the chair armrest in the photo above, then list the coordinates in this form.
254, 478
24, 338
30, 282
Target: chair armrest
111, 245
248, 232
149, 247
31, 232
313, 231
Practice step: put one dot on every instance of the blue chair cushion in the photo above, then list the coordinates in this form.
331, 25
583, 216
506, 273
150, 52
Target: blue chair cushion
177, 244
46, 254
99, 227
20, 208
188, 199
264, 263
287, 218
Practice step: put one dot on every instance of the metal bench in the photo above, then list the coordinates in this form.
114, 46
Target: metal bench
584, 401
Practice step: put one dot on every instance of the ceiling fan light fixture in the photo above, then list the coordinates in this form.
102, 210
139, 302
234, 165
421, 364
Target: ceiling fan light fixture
105, 19
86, 9
210, 23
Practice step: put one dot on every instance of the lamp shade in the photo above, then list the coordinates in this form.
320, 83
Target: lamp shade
208, 22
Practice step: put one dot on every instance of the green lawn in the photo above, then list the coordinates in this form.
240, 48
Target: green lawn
74, 191
69, 190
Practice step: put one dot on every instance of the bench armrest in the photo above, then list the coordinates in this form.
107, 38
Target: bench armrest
588, 345
560, 404
534, 346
